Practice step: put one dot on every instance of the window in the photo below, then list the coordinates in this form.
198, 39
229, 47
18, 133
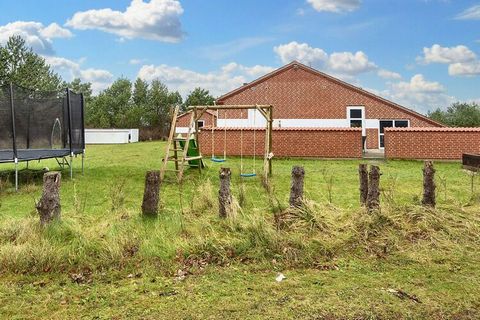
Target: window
355, 113
200, 123
356, 117
401, 123
390, 124
356, 123
385, 124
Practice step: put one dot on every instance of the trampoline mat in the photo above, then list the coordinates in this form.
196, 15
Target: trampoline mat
33, 154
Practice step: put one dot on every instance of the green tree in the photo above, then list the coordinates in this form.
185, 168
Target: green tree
175, 99
458, 115
140, 92
199, 97
80, 87
158, 104
111, 108
21, 66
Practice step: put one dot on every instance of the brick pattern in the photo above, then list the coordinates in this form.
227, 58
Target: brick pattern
372, 138
184, 119
286, 142
431, 143
298, 93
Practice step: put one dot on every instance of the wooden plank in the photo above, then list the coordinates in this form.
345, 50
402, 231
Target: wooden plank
227, 107
185, 148
270, 128
169, 143
262, 112
175, 152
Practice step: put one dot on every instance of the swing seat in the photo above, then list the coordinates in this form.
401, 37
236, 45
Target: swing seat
248, 175
218, 160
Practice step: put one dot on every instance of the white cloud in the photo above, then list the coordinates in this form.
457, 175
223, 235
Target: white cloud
335, 6
419, 84
35, 34
340, 64
447, 55
461, 60
70, 69
155, 20
255, 71
386, 74
55, 31
350, 63
419, 94
229, 77
472, 13
464, 69
301, 52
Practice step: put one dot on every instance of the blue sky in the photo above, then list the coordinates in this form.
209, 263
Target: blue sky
420, 53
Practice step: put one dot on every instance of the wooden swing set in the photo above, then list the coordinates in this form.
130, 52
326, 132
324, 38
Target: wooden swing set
186, 150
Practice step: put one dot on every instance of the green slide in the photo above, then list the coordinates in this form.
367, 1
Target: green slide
192, 152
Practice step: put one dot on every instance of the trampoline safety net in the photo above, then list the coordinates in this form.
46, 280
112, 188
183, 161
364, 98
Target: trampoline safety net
39, 125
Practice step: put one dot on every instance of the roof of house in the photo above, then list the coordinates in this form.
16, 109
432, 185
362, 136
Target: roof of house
296, 64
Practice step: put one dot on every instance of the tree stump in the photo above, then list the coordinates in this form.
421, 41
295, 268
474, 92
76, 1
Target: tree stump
373, 198
429, 184
363, 175
151, 195
296, 189
49, 207
224, 194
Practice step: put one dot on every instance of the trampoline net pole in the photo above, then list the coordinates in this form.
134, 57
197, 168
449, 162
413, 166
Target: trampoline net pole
15, 155
16, 174
69, 108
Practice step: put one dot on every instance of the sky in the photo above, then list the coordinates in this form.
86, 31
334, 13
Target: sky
422, 54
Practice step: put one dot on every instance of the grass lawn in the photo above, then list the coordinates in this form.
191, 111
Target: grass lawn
104, 260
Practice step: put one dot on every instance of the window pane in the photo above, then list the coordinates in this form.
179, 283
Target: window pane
356, 123
382, 141
401, 123
356, 113
200, 123
385, 124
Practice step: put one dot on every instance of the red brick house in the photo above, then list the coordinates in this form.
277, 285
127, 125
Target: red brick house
313, 105
305, 97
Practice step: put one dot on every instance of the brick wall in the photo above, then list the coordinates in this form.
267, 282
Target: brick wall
431, 143
372, 138
286, 142
184, 119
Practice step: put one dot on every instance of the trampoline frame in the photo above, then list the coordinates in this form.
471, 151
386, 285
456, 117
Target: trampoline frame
44, 153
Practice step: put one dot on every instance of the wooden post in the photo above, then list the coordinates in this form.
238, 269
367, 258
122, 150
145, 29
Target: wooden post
373, 198
270, 128
363, 175
151, 195
296, 189
428, 184
224, 195
49, 207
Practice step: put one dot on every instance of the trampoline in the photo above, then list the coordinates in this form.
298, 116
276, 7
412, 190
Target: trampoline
36, 125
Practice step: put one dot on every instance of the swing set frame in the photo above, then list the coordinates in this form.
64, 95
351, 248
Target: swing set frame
265, 110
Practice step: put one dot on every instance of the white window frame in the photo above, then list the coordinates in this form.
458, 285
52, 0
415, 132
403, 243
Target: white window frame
380, 134
364, 131
202, 122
